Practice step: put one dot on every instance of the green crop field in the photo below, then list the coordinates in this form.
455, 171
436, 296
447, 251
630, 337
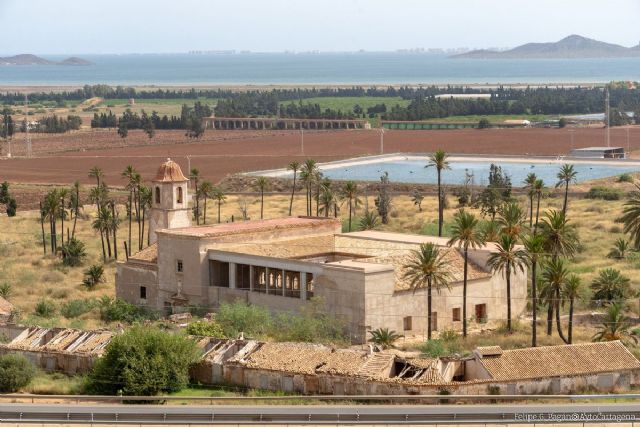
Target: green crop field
495, 118
347, 103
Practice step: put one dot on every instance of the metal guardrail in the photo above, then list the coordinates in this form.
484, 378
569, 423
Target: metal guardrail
319, 398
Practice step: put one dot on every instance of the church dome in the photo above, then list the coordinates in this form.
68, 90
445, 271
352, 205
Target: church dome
169, 171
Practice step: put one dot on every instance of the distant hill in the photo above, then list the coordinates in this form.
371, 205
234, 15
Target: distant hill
573, 46
28, 59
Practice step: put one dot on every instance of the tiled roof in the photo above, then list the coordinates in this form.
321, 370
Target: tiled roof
561, 360
291, 248
493, 350
148, 254
251, 226
169, 171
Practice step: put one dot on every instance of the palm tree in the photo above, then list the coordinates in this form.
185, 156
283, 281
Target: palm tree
262, 183
96, 172
308, 175
220, 197
93, 276
619, 250
615, 326
631, 217
205, 191
417, 198
63, 193
538, 189
369, 221
439, 161
145, 195
555, 277
350, 192
294, 167
52, 212
99, 225
561, 237
505, 260
512, 219
465, 232
194, 174
75, 198
490, 231
129, 174
426, 267
530, 182
534, 246
565, 176
384, 337
328, 200
73, 252
610, 285
571, 292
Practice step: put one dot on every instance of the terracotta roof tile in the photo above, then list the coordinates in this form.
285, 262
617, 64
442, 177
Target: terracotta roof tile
148, 254
169, 171
251, 226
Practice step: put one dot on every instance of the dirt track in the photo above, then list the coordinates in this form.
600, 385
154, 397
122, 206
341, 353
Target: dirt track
219, 155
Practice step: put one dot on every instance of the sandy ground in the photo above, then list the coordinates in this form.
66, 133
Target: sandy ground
220, 154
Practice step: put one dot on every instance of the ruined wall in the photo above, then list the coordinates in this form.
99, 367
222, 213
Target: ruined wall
130, 276
69, 364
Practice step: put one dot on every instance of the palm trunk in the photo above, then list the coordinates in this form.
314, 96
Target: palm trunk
144, 211
429, 308
318, 200
204, 215
62, 223
440, 216
130, 215
535, 230
104, 253
464, 293
108, 238
218, 211
44, 241
558, 324
261, 203
197, 205
293, 192
530, 209
350, 210
550, 317
534, 301
566, 196
570, 332
138, 204
75, 218
54, 237
115, 230
509, 297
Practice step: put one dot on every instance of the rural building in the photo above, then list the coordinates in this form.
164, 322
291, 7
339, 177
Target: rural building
283, 263
6, 310
599, 152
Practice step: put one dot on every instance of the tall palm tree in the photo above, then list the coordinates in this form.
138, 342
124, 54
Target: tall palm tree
294, 167
262, 183
52, 213
75, 197
219, 197
194, 175
145, 194
320, 182
506, 260
350, 192
538, 188
555, 277
129, 174
530, 182
571, 292
328, 200
534, 245
615, 326
490, 231
631, 217
97, 173
512, 219
465, 233
99, 225
63, 193
308, 174
439, 161
565, 176
205, 191
561, 236
426, 267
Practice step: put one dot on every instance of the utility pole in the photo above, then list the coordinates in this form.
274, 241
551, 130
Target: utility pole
381, 140
628, 143
301, 140
189, 171
607, 113
26, 124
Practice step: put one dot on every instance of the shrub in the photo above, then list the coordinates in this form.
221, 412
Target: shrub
93, 276
625, 177
143, 362
5, 290
239, 317
384, 337
433, 349
45, 308
73, 252
205, 328
118, 310
484, 124
604, 193
76, 308
15, 372
12, 207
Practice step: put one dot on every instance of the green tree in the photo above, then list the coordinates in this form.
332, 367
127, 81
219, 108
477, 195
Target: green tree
73, 252
294, 167
369, 221
16, 371
143, 361
308, 174
219, 196
194, 175
93, 276
512, 219
530, 182
566, 175
427, 268
506, 260
350, 192
615, 326
384, 337
439, 161
571, 292
465, 233
129, 174
262, 182
496, 193
204, 328
539, 189
123, 131
610, 285
534, 246
619, 250
484, 124
561, 237
555, 277
383, 200
204, 192
631, 217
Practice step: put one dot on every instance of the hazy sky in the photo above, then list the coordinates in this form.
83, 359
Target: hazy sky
131, 26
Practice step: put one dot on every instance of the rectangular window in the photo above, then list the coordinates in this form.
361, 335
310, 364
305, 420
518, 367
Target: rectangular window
310, 285
219, 274
143, 292
481, 313
243, 276
407, 323
456, 316
179, 266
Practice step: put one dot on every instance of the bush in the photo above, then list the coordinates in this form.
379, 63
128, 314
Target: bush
484, 124
239, 317
12, 207
76, 308
143, 362
205, 328
604, 193
118, 310
562, 123
5, 290
625, 177
73, 252
93, 276
15, 372
45, 308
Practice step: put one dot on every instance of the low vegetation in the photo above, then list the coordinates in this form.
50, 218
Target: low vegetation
16, 371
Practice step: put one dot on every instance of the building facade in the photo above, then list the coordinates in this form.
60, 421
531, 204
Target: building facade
285, 264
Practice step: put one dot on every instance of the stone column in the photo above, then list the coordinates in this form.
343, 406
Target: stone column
251, 275
303, 286
232, 275
284, 282
266, 280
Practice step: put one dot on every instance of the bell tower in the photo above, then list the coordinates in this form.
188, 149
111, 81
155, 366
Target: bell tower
169, 201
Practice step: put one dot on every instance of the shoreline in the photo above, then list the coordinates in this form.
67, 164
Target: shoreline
239, 87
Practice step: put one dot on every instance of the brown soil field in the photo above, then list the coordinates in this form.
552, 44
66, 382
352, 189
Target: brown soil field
62, 159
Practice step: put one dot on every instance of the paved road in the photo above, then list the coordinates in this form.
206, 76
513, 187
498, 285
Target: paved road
319, 414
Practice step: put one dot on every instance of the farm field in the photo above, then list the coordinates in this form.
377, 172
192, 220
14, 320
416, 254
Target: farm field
346, 103
63, 159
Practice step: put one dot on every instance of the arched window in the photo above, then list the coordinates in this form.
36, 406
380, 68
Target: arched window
158, 195
179, 196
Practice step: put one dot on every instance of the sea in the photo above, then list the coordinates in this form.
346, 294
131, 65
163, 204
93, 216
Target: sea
316, 68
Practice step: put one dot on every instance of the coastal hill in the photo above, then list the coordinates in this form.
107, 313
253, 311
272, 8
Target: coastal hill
573, 46
27, 59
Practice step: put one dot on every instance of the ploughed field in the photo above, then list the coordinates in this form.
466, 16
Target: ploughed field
65, 158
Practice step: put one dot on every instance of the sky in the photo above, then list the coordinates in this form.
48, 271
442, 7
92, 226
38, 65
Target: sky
165, 26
